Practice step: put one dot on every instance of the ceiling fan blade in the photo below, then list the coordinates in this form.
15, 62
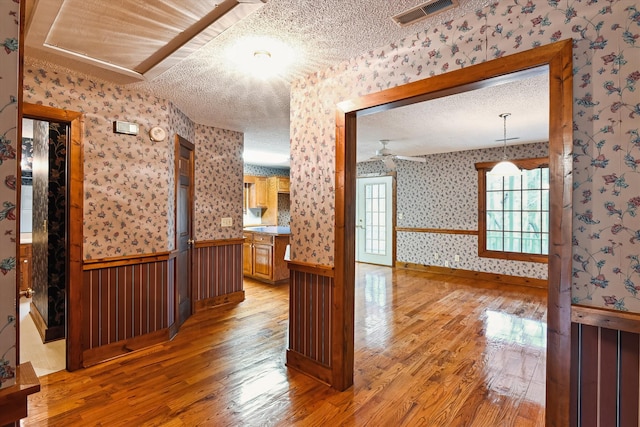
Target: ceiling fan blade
412, 159
389, 163
370, 159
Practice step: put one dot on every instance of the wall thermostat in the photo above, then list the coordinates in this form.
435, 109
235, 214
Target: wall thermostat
157, 134
125, 127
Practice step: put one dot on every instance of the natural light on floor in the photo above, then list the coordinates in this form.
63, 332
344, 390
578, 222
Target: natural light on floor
507, 327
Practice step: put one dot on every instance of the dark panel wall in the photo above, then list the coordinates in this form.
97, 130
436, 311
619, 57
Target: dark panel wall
125, 302
606, 377
309, 316
218, 271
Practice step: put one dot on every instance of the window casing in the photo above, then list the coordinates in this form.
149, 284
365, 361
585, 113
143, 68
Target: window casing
513, 212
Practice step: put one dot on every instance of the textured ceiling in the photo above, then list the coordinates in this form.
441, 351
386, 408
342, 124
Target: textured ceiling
217, 85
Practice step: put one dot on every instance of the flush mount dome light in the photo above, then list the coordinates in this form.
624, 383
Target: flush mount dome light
262, 55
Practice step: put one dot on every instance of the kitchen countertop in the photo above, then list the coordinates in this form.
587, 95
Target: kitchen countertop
269, 229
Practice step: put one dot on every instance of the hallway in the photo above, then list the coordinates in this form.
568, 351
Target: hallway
430, 350
45, 358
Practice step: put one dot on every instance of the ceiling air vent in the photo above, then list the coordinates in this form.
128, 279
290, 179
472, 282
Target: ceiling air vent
425, 10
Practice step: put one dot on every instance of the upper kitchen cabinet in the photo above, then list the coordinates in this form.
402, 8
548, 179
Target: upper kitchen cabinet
256, 192
281, 184
276, 185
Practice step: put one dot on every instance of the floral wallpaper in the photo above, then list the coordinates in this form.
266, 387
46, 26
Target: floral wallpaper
40, 238
218, 183
284, 210
129, 180
443, 193
48, 247
9, 86
606, 65
257, 170
126, 198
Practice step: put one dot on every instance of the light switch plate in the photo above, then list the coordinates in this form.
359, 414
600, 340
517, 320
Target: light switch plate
227, 222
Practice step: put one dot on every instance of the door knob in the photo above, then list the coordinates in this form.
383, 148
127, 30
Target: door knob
191, 241
27, 293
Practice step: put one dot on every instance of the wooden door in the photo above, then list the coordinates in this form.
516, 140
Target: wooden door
184, 216
74, 208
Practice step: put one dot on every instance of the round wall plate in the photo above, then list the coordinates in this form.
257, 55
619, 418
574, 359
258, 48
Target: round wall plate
157, 133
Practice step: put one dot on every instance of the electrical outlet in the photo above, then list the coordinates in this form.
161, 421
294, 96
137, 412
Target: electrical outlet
400, 216
446, 263
457, 258
436, 255
227, 222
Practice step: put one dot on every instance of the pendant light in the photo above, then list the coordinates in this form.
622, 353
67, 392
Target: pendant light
505, 167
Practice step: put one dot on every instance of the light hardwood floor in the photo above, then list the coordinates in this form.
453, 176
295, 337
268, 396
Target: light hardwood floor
431, 350
45, 358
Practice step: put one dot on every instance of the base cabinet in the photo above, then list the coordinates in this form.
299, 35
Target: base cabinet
263, 257
263, 261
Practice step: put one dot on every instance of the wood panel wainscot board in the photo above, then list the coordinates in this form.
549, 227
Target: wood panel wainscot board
218, 273
310, 302
605, 381
128, 304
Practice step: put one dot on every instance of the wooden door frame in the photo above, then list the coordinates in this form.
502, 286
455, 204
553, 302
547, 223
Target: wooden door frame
180, 141
557, 57
75, 209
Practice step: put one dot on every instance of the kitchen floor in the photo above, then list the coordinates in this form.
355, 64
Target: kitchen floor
45, 358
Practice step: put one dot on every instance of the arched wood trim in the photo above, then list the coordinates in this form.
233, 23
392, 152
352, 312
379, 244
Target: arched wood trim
75, 205
557, 58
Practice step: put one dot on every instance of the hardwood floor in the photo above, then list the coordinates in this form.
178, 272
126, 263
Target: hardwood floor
431, 350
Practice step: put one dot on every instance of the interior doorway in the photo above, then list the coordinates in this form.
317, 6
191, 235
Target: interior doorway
557, 58
65, 249
374, 220
43, 233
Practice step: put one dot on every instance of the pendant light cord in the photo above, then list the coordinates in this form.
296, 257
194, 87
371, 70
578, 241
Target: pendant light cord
504, 147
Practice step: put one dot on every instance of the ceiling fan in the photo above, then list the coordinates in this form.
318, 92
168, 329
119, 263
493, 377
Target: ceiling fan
388, 157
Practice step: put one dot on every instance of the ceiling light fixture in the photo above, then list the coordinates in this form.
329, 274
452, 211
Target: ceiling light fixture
262, 55
505, 167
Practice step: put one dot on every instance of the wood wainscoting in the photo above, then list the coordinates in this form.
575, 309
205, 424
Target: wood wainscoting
217, 273
606, 378
310, 328
128, 304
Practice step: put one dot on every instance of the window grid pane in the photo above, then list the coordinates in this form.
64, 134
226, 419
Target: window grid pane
517, 212
375, 215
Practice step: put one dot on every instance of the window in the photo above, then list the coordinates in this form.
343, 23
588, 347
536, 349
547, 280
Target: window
513, 212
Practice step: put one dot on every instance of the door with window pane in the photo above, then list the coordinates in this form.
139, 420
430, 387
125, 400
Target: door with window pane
374, 228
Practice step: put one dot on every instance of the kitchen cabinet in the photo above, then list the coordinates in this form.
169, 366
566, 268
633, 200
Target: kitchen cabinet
281, 183
276, 185
256, 192
25, 269
263, 255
